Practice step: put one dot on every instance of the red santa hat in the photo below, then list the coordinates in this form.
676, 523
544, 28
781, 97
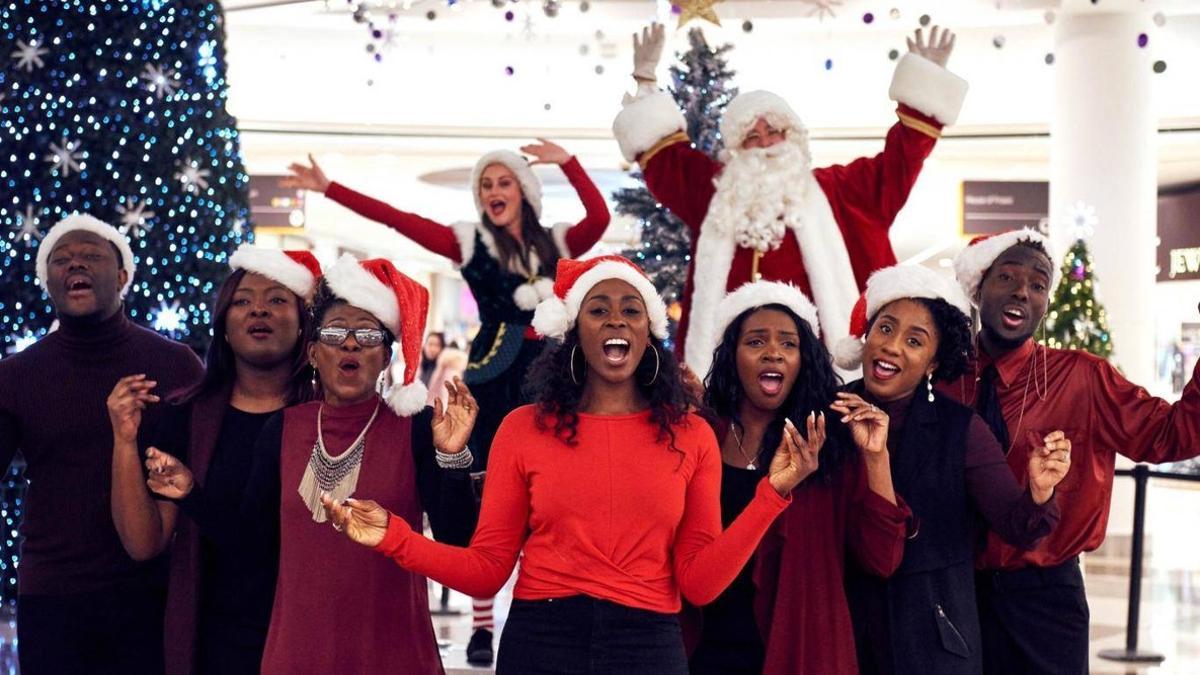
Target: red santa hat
531, 186
297, 270
556, 315
83, 222
744, 110
760, 294
399, 303
973, 262
888, 285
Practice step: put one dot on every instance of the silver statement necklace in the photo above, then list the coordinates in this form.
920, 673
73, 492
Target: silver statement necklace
327, 474
750, 465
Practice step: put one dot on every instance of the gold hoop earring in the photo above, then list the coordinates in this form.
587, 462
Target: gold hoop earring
657, 366
572, 364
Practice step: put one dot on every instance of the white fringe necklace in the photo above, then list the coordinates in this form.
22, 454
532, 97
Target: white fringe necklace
337, 476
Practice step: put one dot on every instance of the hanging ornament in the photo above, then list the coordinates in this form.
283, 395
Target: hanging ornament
551, 7
868, 18
893, 54
998, 41
509, 16
1160, 19
1049, 17
1160, 66
599, 69
194, 178
828, 64
1081, 220
135, 217
499, 3
508, 70
431, 15
747, 26
360, 13
1143, 40
585, 6
29, 55
1049, 58
698, 9
29, 226
894, 13
924, 20
162, 82
66, 157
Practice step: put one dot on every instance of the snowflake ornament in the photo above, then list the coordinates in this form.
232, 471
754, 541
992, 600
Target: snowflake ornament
823, 8
194, 178
163, 82
29, 55
135, 217
169, 318
1082, 220
20, 342
30, 226
66, 157
239, 227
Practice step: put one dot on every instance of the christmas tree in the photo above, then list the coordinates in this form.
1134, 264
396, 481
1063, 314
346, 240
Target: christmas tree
115, 109
1075, 318
701, 87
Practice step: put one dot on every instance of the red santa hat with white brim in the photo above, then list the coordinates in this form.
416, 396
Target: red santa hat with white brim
886, 286
972, 263
400, 304
82, 222
744, 110
297, 270
760, 294
531, 185
555, 316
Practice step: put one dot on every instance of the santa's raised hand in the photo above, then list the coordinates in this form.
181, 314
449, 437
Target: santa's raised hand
937, 49
1048, 465
647, 52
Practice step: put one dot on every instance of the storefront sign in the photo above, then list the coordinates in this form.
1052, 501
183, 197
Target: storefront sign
1179, 235
991, 207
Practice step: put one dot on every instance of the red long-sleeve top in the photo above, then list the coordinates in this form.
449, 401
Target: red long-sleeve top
1043, 390
620, 516
440, 239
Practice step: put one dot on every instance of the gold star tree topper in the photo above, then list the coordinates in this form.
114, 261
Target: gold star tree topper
698, 9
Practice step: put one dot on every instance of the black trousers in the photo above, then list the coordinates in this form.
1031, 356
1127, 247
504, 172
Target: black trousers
579, 635
1034, 620
114, 631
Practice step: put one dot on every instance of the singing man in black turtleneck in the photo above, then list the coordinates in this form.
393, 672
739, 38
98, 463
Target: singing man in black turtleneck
83, 604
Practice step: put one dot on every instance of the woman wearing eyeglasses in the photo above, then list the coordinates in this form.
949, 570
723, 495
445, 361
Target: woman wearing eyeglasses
339, 608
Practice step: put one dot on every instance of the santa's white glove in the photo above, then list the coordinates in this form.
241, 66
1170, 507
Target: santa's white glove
937, 49
647, 51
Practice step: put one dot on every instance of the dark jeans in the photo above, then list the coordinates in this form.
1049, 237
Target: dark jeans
580, 634
117, 631
1034, 621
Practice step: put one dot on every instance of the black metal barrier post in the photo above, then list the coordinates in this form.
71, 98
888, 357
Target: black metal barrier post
1141, 476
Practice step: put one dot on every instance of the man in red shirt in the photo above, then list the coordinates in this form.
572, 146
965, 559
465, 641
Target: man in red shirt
763, 211
1033, 608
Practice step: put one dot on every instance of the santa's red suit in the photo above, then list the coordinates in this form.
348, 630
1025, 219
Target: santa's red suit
824, 230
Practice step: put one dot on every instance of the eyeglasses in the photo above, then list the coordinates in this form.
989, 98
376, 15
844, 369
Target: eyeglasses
365, 337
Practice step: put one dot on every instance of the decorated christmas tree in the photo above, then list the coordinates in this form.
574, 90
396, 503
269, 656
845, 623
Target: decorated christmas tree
1075, 318
700, 84
116, 109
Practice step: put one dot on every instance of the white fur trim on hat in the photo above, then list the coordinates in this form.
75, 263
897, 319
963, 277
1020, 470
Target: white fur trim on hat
555, 316
276, 265
644, 121
973, 262
86, 223
745, 109
847, 352
912, 281
923, 85
409, 399
761, 293
531, 186
350, 282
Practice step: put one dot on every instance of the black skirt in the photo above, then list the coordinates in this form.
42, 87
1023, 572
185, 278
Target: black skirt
584, 635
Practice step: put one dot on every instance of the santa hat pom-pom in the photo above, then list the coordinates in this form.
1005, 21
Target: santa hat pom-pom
551, 319
544, 287
526, 297
408, 399
847, 353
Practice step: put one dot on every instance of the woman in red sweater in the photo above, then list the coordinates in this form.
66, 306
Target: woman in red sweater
607, 487
507, 259
787, 612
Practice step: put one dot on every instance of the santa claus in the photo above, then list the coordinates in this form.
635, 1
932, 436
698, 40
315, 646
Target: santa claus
763, 212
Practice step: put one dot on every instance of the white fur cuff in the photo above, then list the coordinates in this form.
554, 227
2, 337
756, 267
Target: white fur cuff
645, 121
925, 86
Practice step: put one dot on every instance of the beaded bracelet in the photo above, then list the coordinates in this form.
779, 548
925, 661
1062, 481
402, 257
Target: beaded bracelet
458, 460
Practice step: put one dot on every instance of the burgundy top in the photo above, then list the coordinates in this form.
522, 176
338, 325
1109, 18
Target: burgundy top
1042, 390
340, 608
53, 409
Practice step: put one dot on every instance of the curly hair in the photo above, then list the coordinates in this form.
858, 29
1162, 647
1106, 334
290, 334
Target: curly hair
816, 386
956, 346
557, 393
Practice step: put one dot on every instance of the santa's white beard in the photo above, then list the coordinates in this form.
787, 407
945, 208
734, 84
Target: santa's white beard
760, 192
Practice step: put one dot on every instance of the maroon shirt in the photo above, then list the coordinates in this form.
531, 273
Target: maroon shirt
1043, 390
53, 410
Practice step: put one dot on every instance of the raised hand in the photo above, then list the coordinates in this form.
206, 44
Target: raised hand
647, 52
796, 457
309, 177
167, 476
937, 49
363, 520
868, 424
126, 402
1048, 465
452, 426
546, 152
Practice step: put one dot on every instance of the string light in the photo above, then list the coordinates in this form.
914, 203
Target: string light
115, 109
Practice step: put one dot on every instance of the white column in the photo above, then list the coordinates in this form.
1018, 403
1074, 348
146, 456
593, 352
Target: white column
1102, 140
